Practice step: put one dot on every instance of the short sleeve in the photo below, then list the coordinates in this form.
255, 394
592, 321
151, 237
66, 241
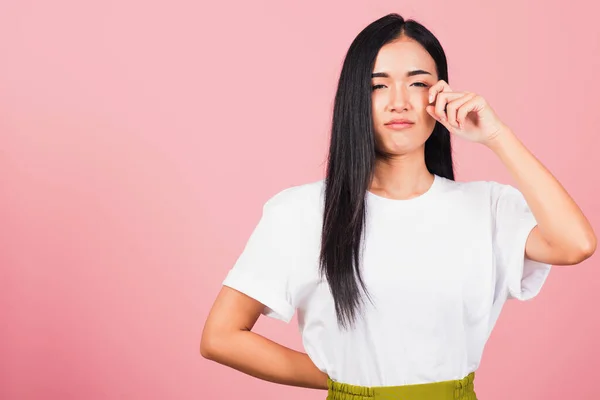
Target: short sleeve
262, 271
517, 276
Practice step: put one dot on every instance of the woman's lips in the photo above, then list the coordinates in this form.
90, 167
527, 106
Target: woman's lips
399, 126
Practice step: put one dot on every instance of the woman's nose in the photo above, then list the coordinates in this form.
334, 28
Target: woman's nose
399, 98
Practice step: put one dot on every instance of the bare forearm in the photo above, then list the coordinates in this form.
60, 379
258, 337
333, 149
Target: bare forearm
262, 358
560, 220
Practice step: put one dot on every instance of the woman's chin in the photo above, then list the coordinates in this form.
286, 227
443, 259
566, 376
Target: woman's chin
403, 145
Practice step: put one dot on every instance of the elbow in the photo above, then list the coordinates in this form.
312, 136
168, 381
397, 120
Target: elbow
589, 246
584, 250
215, 346
206, 350
208, 347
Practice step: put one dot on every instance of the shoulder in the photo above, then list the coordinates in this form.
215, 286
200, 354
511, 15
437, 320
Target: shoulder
297, 199
486, 194
486, 188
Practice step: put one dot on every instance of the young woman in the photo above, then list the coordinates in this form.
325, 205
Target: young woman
397, 271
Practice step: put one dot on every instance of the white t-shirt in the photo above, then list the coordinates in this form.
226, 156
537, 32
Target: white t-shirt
439, 267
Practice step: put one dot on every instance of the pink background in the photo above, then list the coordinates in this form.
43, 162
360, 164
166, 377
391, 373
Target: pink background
140, 139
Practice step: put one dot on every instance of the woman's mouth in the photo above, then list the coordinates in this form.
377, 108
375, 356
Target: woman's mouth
399, 125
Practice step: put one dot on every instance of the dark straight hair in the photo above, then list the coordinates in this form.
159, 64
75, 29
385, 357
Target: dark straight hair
352, 155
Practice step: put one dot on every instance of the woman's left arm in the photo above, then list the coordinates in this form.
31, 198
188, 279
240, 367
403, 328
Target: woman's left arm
563, 235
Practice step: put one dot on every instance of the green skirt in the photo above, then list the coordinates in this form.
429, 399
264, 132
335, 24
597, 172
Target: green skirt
461, 389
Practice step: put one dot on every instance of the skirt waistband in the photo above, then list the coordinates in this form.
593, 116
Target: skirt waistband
460, 389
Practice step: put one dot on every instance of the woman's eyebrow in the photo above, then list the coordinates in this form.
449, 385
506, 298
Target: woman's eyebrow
408, 74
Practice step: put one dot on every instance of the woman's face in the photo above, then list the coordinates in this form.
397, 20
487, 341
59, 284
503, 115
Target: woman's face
403, 73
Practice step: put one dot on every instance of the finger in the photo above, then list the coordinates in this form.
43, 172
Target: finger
440, 86
454, 105
474, 104
431, 110
442, 101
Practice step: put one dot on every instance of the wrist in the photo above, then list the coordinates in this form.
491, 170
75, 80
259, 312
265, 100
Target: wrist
498, 140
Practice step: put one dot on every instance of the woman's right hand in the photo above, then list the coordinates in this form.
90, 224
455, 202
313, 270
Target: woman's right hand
227, 338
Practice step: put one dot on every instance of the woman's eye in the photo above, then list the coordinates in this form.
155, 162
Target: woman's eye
418, 84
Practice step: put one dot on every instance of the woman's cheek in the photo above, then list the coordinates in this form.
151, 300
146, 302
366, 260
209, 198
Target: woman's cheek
377, 109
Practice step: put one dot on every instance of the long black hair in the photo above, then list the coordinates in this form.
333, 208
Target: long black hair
352, 155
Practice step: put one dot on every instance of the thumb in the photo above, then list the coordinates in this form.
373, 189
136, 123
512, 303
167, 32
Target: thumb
431, 111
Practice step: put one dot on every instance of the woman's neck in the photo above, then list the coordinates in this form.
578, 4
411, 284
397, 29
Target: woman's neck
401, 178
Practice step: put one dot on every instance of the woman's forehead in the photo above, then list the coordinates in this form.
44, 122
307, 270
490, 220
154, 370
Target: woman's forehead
397, 58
